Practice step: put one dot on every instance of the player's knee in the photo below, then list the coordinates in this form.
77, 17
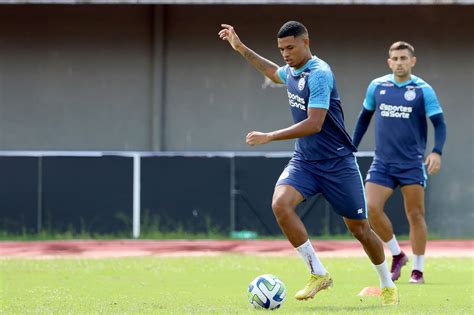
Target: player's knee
373, 209
373, 216
280, 208
360, 235
416, 214
360, 231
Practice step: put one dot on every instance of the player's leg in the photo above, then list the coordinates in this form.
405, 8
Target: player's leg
295, 184
379, 188
374, 250
285, 200
414, 199
344, 189
377, 196
413, 182
372, 245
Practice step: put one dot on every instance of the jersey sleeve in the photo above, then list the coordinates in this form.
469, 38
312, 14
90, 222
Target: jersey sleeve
282, 73
320, 86
432, 106
369, 101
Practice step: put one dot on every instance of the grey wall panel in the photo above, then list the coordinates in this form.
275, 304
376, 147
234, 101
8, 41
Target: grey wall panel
75, 77
209, 85
210, 89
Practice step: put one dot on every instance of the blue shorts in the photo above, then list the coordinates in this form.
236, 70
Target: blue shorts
338, 179
392, 175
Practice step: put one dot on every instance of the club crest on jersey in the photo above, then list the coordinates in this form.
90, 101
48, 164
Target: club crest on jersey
410, 95
301, 84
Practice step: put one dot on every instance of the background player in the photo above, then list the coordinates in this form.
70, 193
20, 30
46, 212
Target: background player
401, 102
323, 160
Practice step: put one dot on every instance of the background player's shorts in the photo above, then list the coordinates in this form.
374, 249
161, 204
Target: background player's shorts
338, 179
391, 175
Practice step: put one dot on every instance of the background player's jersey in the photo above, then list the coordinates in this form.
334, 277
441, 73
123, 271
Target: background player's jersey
400, 124
313, 85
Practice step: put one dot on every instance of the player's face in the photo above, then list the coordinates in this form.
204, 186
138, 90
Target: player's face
294, 50
401, 62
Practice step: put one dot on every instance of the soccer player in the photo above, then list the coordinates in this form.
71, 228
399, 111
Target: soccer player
323, 161
401, 102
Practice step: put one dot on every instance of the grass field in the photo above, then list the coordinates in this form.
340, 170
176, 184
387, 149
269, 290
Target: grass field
217, 285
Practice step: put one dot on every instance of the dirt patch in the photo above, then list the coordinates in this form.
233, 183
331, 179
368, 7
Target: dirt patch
124, 248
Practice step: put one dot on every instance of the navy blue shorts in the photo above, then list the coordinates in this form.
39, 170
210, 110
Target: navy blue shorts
338, 179
392, 175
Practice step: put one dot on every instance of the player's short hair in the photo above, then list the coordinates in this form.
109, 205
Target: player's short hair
292, 28
401, 45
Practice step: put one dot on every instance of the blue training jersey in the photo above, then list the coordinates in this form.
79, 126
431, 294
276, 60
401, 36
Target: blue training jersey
400, 124
313, 85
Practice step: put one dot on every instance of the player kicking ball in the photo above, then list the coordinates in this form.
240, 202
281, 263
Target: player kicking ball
323, 161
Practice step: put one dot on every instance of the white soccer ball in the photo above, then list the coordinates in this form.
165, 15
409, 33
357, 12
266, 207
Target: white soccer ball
266, 292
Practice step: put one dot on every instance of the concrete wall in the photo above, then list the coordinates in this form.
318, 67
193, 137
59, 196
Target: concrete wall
158, 78
75, 77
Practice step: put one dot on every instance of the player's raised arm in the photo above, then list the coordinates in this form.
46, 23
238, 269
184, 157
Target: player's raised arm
265, 66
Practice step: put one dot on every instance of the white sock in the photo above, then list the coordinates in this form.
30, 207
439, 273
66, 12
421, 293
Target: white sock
393, 246
308, 254
384, 275
418, 262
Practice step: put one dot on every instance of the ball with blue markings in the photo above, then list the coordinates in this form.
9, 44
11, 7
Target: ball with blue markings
266, 292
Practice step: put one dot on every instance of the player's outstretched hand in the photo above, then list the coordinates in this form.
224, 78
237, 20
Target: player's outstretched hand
433, 163
257, 137
228, 33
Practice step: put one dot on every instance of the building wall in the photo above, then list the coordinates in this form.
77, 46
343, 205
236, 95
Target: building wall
158, 78
75, 77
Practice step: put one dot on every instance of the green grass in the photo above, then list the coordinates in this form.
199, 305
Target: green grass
217, 285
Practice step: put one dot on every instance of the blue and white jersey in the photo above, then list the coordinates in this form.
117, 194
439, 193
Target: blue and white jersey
313, 85
400, 124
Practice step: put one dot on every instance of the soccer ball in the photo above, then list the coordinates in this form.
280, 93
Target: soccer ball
266, 292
